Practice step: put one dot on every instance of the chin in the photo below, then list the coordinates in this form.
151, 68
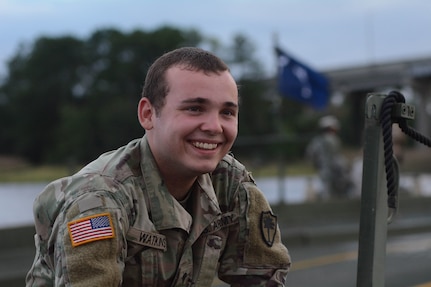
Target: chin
206, 169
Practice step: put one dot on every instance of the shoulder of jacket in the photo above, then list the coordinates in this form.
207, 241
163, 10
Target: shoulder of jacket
120, 164
231, 170
229, 164
58, 195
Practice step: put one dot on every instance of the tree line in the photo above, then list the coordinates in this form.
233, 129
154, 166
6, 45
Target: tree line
67, 98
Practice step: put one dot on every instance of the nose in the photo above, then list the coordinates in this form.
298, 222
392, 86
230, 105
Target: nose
212, 124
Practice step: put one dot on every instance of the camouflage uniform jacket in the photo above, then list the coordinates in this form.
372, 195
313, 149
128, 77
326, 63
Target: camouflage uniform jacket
114, 223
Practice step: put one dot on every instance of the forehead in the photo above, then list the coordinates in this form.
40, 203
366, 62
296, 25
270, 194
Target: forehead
184, 83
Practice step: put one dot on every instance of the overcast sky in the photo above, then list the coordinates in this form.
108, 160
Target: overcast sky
325, 34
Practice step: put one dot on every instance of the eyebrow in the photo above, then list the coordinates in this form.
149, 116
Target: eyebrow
199, 100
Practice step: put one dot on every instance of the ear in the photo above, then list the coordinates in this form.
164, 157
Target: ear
145, 113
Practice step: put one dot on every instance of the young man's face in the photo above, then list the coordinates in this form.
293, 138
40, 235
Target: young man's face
198, 123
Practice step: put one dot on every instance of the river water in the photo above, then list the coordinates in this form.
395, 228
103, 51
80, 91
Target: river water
16, 204
17, 198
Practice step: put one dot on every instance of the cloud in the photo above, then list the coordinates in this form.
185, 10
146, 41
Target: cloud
323, 33
22, 9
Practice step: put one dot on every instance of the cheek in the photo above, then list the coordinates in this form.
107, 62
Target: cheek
231, 131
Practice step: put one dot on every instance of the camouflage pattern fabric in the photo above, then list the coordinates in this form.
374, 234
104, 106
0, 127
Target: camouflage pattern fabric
114, 223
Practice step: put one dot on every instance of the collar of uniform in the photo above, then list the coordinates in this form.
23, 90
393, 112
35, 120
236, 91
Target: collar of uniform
205, 206
166, 211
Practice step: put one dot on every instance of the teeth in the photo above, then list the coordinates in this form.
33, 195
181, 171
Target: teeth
204, 145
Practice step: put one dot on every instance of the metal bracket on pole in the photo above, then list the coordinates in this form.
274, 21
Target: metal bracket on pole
374, 210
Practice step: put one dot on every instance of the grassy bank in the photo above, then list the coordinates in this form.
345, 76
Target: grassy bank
18, 170
14, 169
50, 172
33, 174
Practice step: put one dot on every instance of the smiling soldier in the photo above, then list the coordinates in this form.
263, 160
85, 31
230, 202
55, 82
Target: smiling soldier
172, 208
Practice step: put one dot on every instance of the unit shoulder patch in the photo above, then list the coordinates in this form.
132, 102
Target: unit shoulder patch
268, 226
90, 228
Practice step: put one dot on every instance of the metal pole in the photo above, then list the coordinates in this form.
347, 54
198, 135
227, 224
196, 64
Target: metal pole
374, 210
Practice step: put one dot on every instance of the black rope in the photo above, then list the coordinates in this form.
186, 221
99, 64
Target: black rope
386, 120
413, 133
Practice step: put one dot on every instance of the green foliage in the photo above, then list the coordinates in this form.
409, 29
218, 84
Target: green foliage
68, 100
37, 86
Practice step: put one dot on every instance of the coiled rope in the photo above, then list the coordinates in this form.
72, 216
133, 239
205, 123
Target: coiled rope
387, 118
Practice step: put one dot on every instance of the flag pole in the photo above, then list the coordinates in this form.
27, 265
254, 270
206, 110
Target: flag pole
276, 109
274, 45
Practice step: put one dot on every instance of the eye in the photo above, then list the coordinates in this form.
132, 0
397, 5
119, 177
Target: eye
229, 112
194, 109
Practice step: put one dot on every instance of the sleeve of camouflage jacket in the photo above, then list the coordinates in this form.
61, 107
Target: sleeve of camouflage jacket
255, 255
99, 261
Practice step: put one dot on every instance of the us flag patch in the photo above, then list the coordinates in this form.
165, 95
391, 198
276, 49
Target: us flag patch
90, 228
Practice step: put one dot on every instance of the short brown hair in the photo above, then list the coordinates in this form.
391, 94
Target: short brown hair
191, 58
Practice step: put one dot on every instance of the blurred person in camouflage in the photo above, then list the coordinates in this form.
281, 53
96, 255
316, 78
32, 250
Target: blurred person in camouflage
172, 208
325, 153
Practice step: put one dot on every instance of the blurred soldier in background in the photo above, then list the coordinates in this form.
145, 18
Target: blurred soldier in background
324, 151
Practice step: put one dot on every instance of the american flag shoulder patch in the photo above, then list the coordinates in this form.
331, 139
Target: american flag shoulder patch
90, 228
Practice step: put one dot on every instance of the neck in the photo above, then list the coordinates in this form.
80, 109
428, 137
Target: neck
179, 188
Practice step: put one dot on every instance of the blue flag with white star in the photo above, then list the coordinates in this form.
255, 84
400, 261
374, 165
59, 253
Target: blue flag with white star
301, 83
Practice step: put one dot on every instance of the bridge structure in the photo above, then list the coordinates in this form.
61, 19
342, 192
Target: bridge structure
411, 77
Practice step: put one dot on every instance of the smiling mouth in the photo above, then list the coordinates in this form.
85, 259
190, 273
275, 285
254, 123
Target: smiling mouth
207, 146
